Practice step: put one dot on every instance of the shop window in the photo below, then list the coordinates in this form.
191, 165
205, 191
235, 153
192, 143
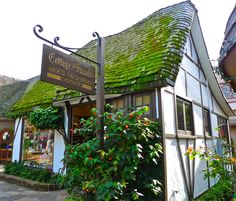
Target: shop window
184, 116
38, 146
223, 128
206, 122
79, 112
6, 140
118, 104
143, 100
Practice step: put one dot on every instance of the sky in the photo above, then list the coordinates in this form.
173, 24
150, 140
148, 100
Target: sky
74, 21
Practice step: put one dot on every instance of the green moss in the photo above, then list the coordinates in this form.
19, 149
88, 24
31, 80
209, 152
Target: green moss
41, 94
144, 56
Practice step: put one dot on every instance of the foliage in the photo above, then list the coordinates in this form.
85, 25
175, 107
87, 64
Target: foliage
49, 118
219, 166
128, 168
40, 94
221, 191
34, 173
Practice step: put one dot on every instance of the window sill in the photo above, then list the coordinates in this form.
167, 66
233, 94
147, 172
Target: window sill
180, 136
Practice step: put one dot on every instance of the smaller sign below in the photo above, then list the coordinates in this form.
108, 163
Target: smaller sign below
65, 70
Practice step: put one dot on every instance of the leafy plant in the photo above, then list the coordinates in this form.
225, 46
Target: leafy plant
128, 168
221, 191
219, 166
49, 118
29, 172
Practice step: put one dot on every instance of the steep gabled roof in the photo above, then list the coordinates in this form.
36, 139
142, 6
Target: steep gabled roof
144, 56
149, 53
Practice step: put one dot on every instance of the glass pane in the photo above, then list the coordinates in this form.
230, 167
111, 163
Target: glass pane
188, 117
206, 121
120, 104
180, 115
38, 145
146, 100
139, 101
114, 103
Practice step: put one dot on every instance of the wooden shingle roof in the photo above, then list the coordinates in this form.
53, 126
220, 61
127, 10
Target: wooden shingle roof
144, 56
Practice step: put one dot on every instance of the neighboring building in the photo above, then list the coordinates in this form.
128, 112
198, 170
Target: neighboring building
10, 91
230, 96
227, 69
227, 58
161, 62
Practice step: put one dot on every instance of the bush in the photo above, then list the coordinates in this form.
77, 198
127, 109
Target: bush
32, 173
128, 168
222, 191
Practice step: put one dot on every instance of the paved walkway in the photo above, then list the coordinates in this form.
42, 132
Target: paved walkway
12, 192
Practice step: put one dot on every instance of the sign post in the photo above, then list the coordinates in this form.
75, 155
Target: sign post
100, 92
67, 71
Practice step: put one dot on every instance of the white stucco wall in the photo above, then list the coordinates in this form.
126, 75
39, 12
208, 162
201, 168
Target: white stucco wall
175, 184
217, 108
200, 183
169, 112
197, 118
59, 148
192, 86
17, 139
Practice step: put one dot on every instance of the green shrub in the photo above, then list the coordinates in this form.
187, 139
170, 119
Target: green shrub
222, 191
29, 172
128, 168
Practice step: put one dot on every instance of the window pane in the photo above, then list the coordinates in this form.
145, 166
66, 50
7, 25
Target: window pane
188, 117
180, 115
206, 121
114, 103
139, 101
223, 128
120, 104
146, 100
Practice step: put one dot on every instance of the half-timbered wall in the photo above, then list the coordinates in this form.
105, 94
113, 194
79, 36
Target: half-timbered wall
17, 143
185, 177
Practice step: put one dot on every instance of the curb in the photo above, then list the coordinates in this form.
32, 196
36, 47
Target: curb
35, 185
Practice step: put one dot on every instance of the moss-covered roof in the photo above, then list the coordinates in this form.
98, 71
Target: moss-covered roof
144, 56
41, 94
147, 54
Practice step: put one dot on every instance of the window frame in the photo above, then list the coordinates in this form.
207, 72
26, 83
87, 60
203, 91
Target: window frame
206, 120
151, 114
223, 130
185, 131
116, 100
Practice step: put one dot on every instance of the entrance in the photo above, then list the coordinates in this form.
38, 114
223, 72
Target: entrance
81, 111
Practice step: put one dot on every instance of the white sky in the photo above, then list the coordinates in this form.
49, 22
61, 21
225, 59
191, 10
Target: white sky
74, 21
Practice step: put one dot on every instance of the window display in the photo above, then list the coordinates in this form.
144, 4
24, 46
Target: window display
38, 146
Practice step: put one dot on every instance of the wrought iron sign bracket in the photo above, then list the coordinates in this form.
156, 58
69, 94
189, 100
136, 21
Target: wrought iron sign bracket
38, 28
100, 76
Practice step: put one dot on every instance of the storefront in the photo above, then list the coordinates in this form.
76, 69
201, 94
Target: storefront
38, 146
6, 139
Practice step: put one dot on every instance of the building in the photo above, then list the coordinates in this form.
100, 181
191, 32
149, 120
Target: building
228, 51
10, 91
227, 68
161, 62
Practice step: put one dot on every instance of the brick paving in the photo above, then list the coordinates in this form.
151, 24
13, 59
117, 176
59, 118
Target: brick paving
12, 192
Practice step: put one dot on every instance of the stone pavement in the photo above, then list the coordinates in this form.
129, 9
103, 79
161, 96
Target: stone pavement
12, 192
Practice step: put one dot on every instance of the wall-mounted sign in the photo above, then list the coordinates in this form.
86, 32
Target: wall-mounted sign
65, 70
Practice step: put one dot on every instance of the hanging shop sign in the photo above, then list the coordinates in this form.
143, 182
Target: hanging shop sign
65, 70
